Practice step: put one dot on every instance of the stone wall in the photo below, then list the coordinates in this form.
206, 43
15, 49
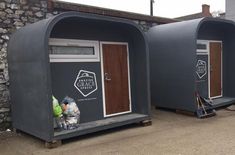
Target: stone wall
15, 14
144, 25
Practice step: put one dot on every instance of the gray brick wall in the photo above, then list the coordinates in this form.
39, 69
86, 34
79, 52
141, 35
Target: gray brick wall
230, 9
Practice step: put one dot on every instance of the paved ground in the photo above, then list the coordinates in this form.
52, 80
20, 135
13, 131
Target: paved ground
170, 133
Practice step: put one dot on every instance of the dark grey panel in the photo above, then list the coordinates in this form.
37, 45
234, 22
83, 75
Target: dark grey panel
98, 30
140, 76
202, 75
63, 78
228, 65
31, 108
172, 65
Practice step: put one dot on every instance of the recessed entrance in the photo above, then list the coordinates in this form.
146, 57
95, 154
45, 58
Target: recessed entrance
209, 68
215, 69
115, 78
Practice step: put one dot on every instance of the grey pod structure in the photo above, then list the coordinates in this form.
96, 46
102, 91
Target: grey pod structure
192, 56
65, 55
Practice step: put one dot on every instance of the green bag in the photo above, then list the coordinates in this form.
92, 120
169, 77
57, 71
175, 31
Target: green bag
57, 111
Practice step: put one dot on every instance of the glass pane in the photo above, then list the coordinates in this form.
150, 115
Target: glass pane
72, 50
201, 46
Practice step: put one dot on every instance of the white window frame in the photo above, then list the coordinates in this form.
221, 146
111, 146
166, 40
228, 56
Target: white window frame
73, 57
203, 51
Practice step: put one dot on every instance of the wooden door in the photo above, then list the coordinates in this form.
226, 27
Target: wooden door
115, 67
215, 69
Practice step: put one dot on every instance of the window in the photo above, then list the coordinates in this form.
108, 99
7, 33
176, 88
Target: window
202, 47
71, 50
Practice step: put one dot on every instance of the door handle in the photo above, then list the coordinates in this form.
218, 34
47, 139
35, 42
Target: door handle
106, 77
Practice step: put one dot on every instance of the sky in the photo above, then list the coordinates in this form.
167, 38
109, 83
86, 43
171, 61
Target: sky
162, 8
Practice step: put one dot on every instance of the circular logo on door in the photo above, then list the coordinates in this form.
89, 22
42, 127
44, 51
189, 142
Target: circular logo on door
86, 82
